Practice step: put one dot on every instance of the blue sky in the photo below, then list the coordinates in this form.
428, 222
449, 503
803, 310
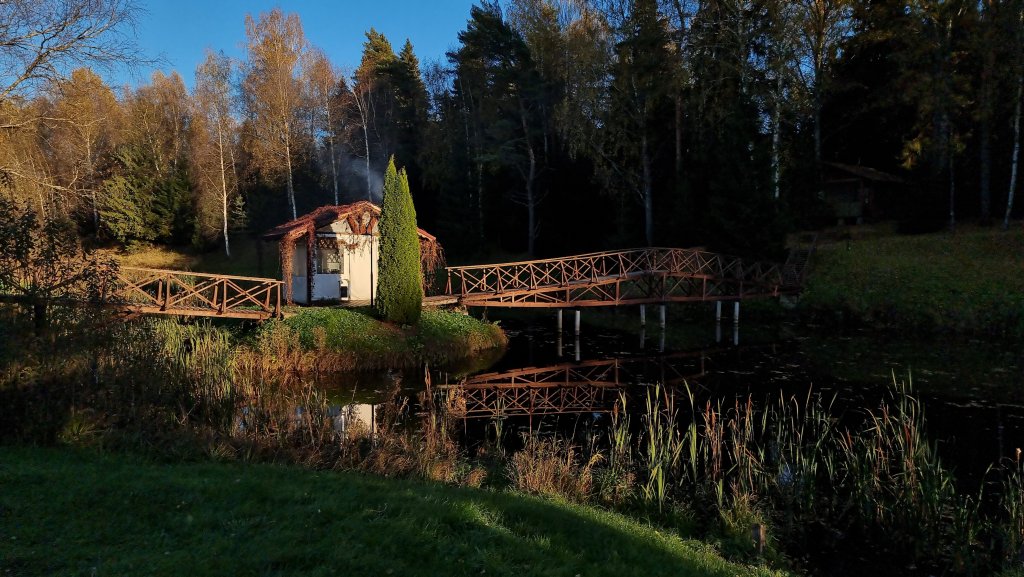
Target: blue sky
181, 30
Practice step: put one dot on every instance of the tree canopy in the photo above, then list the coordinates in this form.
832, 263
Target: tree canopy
550, 127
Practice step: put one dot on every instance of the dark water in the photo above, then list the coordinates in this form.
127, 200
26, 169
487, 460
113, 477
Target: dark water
972, 391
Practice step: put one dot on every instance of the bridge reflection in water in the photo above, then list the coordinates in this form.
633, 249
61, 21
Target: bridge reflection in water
567, 388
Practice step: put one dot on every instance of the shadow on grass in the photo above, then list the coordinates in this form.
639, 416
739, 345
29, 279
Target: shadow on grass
70, 512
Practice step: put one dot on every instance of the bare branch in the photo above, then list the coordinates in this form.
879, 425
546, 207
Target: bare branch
41, 39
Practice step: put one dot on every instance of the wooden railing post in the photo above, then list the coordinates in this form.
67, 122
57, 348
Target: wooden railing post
162, 292
223, 295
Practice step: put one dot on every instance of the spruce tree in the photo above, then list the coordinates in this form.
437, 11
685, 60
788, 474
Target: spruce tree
399, 282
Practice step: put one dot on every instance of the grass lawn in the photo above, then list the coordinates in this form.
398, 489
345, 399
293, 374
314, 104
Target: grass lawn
971, 281
356, 339
244, 259
70, 512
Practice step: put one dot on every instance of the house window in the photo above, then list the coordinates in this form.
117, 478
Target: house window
329, 259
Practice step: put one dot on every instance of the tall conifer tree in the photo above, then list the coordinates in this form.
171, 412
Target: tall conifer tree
399, 284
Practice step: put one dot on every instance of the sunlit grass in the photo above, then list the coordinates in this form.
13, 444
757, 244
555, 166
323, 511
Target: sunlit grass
244, 259
354, 338
68, 512
971, 281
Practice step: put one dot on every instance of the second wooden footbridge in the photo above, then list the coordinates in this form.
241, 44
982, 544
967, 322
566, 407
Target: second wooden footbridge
623, 277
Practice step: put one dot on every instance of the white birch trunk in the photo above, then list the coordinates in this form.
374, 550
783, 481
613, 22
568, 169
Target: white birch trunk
1014, 161
288, 161
776, 139
223, 186
330, 147
531, 201
647, 193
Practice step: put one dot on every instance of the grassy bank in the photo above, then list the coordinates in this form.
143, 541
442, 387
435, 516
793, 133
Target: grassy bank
346, 339
244, 259
125, 517
969, 282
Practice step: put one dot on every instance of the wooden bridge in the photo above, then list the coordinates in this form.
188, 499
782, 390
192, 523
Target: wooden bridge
166, 292
570, 388
170, 292
637, 276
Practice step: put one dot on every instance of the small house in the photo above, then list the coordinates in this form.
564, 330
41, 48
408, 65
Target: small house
856, 192
330, 254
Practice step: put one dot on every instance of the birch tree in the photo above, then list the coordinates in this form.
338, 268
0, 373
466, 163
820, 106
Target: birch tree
273, 92
642, 76
824, 25
84, 128
323, 82
213, 137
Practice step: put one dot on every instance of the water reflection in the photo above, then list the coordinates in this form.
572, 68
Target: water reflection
568, 388
971, 390
360, 417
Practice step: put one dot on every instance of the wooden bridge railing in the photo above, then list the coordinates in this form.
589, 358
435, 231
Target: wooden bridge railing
616, 277
157, 291
587, 387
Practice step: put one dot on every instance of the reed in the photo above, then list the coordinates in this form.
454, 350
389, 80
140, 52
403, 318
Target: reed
552, 467
662, 445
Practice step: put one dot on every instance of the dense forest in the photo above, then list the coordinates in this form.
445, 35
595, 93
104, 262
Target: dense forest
552, 126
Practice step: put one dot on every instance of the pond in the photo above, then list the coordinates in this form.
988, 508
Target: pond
971, 390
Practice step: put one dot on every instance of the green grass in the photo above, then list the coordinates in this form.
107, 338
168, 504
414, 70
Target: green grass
68, 512
969, 282
244, 259
355, 336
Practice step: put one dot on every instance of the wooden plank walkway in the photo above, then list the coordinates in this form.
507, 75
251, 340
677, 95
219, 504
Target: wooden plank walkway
614, 278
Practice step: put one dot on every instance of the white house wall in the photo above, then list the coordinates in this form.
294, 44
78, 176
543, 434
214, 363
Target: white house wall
359, 267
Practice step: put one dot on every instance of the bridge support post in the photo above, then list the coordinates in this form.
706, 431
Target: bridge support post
643, 315
718, 311
559, 321
577, 322
736, 313
661, 316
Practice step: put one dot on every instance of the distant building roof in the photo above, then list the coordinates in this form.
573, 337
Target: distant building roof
361, 217
864, 172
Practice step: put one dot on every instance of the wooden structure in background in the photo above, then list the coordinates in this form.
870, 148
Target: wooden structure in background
613, 278
170, 292
857, 192
570, 388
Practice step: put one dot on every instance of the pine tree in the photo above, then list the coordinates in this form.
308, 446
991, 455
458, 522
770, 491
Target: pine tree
399, 283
